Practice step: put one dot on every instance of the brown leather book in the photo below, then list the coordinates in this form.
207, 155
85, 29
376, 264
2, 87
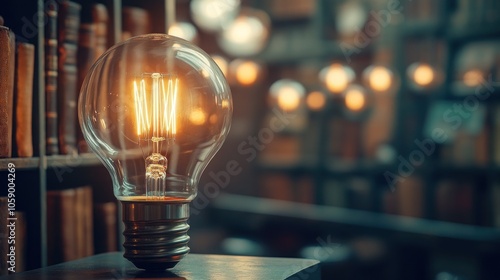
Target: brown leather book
136, 21
7, 65
88, 221
86, 57
105, 227
79, 206
68, 31
51, 64
61, 219
23, 99
84, 221
100, 19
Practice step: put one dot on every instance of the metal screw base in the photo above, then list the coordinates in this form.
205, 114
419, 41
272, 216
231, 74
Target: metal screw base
155, 233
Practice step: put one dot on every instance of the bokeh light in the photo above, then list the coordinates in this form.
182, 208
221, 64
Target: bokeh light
473, 77
214, 15
378, 78
245, 72
247, 34
355, 98
422, 74
316, 100
336, 77
184, 30
288, 94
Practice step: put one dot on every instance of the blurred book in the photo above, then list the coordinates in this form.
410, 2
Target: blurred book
70, 224
7, 67
87, 44
334, 193
276, 185
67, 86
23, 99
410, 196
105, 227
51, 77
455, 200
136, 21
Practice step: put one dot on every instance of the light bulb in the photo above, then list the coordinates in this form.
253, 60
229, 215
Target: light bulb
221, 62
336, 77
287, 94
155, 109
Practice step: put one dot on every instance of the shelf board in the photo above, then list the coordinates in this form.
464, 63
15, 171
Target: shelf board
20, 163
422, 28
473, 32
73, 161
243, 208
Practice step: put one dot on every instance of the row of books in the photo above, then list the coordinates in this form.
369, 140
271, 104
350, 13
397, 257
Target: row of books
74, 39
455, 200
75, 36
76, 227
16, 94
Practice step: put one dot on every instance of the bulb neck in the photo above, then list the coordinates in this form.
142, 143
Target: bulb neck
155, 233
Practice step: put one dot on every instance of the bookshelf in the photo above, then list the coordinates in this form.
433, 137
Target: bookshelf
411, 112
37, 175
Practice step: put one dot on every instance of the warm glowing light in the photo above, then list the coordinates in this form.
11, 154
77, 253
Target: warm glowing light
247, 72
225, 103
316, 100
423, 75
198, 116
473, 77
213, 15
246, 34
221, 62
355, 99
184, 30
288, 94
379, 78
336, 77
158, 109
288, 99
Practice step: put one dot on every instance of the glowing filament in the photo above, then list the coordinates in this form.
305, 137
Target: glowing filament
155, 111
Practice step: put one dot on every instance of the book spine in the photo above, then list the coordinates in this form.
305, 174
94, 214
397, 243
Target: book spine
7, 65
51, 62
68, 27
24, 99
86, 57
61, 225
105, 229
136, 21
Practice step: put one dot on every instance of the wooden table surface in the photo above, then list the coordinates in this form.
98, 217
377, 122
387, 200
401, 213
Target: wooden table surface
193, 266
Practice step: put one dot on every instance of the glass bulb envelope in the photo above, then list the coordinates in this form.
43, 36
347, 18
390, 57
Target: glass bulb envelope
155, 109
